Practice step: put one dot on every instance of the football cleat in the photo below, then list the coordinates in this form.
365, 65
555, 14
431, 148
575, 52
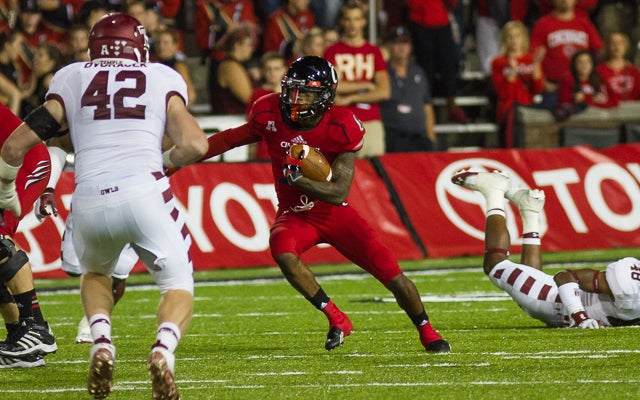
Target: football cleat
432, 340
438, 346
525, 199
483, 182
100, 382
34, 339
160, 365
84, 332
29, 361
337, 333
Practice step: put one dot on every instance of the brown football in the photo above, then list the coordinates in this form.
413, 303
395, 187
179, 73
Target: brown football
314, 165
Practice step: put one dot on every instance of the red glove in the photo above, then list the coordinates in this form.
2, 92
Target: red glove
292, 167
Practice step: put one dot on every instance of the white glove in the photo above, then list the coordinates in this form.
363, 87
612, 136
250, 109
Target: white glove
589, 324
45, 205
9, 197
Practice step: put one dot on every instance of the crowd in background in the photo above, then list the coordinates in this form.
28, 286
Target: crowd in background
562, 55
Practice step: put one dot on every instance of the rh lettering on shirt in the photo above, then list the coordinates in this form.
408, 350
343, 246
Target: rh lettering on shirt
355, 67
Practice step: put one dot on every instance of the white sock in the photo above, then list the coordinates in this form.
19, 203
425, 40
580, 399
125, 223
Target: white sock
168, 336
100, 325
495, 199
530, 221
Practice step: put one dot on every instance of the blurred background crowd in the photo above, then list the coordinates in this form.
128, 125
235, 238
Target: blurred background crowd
398, 60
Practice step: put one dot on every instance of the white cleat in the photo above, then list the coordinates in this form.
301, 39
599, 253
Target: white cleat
483, 182
526, 199
84, 332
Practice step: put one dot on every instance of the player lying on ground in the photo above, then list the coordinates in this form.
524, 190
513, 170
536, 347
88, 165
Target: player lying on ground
585, 298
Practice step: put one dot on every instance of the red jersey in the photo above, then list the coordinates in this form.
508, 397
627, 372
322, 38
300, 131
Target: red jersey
339, 131
624, 84
281, 28
357, 64
566, 90
32, 177
521, 90
562, 39
430, 13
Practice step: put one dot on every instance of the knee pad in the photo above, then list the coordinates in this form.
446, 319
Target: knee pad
5, 296
11, 260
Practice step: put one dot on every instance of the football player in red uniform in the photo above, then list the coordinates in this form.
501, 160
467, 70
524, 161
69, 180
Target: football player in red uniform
28, 334
311, 212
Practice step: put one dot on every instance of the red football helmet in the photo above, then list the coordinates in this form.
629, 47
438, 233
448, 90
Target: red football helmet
118, 35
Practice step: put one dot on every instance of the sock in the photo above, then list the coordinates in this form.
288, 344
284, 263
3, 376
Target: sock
29, 307
168, 336
530, 221
100, 325
495, 199
320, 300
12, 330
420, 319
495, 211
532, 238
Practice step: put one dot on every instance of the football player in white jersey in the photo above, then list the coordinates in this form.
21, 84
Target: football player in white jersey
584, 298
117, 108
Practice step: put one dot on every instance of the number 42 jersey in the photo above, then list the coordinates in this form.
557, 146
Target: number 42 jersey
116, 110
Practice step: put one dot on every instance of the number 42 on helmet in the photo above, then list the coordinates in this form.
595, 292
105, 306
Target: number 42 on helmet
314, 164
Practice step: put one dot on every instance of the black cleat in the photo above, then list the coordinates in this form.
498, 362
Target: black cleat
34, 339
335, 338
438, 346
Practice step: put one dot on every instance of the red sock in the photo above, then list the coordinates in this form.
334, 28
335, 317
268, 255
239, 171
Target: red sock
428, 334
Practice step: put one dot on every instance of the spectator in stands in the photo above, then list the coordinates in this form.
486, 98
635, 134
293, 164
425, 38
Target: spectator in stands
91, 11
516, 76
232, 84
78, 44
9, 66
286, 25
617, 16
214, 19
408, 116
311, 43
555, 38
620, 75
331, 36
10, 94
582, 7
47, 60
32, 32
432, 34
167, 53
582, 87
273, 66
363, 80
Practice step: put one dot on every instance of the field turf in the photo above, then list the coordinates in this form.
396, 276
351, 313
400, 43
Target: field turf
254, 337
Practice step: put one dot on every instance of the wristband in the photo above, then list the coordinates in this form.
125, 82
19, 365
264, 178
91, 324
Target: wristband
8, 172
166, 159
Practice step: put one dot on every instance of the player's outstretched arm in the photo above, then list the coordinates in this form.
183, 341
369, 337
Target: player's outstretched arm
337, 190
190, 141
570, 282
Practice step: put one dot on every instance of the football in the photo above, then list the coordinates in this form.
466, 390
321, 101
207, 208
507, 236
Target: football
314, 165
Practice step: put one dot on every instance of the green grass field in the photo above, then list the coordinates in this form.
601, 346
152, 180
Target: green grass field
254, 337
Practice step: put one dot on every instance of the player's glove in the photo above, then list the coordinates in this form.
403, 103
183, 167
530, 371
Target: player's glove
45, 205
292, 167
582, 320
8, 195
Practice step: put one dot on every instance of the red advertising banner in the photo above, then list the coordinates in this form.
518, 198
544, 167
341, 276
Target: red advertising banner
592, 201
229, 208
592, 197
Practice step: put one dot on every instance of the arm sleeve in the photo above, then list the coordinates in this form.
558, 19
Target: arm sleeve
229, 139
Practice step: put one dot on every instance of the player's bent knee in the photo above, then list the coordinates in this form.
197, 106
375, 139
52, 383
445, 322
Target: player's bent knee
5, 296
11, 259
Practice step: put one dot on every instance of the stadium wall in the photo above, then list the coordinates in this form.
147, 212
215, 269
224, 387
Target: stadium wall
593, 202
